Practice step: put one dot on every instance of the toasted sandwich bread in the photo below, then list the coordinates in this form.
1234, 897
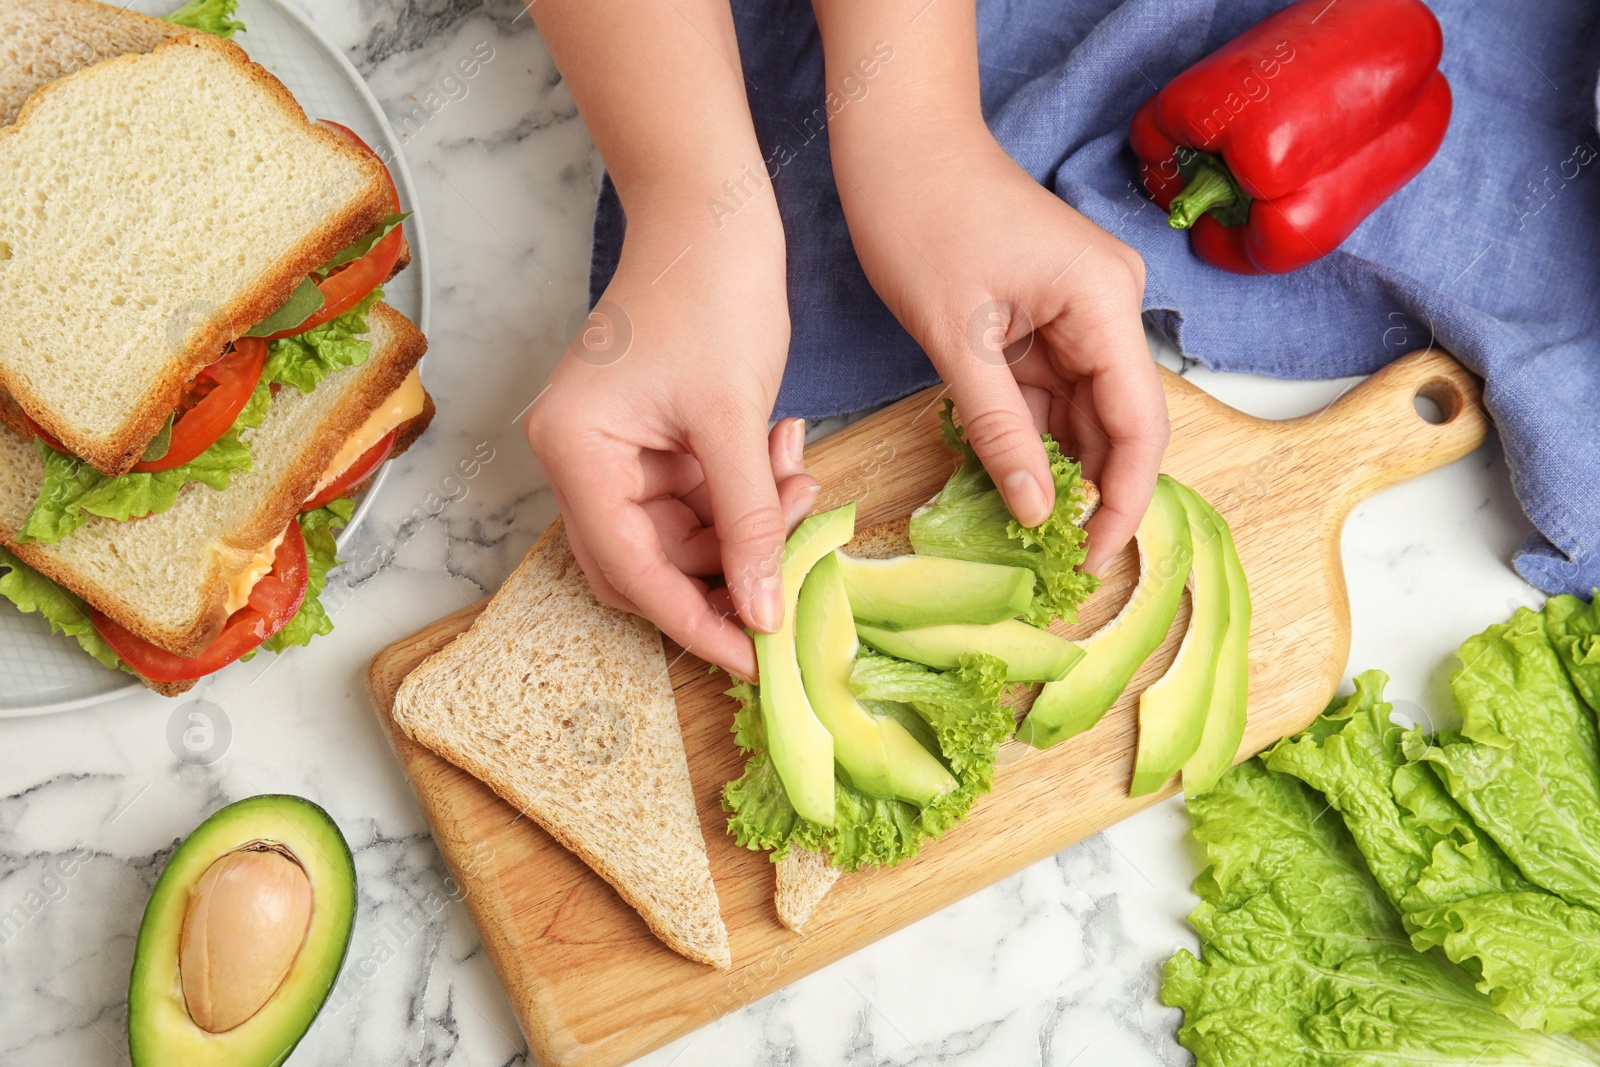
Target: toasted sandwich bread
158, 206
563, 707
42, 40
804, 878
165, 578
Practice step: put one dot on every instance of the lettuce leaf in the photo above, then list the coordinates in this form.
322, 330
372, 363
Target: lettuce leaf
1303, 961
1533, 953
312, 619
1526, 761
968, 724
72, 491
364, 244
306, 359
209, 16
969, 520
961, 706
32, 592
1574, 631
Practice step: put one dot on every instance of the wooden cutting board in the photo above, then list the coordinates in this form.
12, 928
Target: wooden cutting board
592, 987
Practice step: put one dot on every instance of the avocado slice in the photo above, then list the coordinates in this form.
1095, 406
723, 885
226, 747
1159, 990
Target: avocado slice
1030, 654
1172, 711
1116, 650
912, 591
800, 746
271, 879
880, 757
1225, 719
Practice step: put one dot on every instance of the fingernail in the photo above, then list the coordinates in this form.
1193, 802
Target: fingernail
1026, 497
766, 605
797, 442
802, 504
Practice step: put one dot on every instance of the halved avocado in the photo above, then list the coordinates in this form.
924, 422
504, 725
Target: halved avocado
911, 591
1116, 650
1030, 654
1225, 719
265, 887
1172, 711
880, 757
800, 746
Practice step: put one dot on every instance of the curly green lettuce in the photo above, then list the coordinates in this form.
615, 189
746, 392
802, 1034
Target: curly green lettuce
1535, 955
969, 520
67, 615
72, 492
967, 722
1526, 762
208, 16
1302, 959
1574, 631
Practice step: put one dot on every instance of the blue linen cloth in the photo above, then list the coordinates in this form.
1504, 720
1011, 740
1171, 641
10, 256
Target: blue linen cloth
1491, 252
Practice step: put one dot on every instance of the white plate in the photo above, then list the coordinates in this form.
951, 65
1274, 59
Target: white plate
41, 673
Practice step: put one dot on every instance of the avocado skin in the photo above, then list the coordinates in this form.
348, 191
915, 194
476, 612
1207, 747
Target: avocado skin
800, 746
1114, 653
906, 592
1172, 711
876, 753
1030, 654
160, 1032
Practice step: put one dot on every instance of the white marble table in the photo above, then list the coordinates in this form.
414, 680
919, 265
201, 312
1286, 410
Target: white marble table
1057, 965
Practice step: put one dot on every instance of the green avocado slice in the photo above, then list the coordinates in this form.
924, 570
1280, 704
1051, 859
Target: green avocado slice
911, 591
161, 1031
880, 757
1115, 651
800, 746
1030, 654
1225, 719
1172, 711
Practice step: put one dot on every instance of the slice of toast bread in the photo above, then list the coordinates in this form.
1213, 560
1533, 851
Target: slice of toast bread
165, 577
564, 707
158, 206
43, 40
804, 878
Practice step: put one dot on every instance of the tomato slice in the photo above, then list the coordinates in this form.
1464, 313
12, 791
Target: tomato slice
355, 474
210, 406
273, 602
224, 388
348, 285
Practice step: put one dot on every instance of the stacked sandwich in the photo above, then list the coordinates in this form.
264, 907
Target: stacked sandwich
196, 368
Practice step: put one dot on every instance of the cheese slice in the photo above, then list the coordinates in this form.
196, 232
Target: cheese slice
244, 583
403, 405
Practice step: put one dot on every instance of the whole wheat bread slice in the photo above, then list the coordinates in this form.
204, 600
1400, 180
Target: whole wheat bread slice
156, 207
804, 878
42, 40
564, 707
166, 577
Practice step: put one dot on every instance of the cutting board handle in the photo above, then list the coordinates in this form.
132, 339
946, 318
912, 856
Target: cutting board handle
1378, 434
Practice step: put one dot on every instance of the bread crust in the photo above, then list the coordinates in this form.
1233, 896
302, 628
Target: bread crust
118, 453
405, 347
95, 31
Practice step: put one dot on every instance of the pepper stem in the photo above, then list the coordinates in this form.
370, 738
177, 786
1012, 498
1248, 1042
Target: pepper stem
1210, 187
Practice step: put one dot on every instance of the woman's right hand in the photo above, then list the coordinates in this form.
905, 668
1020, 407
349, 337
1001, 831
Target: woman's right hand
653, 433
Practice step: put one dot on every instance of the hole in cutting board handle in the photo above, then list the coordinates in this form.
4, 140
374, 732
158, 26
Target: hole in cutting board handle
1438, 401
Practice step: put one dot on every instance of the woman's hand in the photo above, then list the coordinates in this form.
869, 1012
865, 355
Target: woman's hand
653, 428
1030, 312
653, 432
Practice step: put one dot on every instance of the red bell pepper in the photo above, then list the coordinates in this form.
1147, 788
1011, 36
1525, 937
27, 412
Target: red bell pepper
1275, 146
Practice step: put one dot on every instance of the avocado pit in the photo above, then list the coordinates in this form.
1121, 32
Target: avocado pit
246, 920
